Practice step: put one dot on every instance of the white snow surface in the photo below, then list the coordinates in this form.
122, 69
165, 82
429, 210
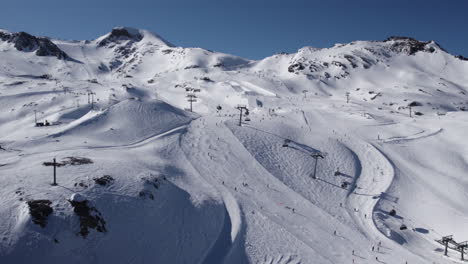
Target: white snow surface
195, 187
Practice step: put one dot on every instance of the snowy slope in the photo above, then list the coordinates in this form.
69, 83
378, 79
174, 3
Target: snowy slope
141, 179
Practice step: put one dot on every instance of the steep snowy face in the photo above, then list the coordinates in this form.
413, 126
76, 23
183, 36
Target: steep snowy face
25, 42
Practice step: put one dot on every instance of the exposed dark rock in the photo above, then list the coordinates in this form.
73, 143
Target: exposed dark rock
296, 67
414, 103
72, 161
146, 194
409, 45
339, 64
351, 60
90, 217
104, 180
40, 210
149, 184
118, 35
191, 67
460, 57
76, 161
25, 42
206, 79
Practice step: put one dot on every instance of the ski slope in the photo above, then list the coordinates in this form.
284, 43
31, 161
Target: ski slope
195, 187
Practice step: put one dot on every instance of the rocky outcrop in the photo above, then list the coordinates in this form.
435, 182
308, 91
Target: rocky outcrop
89, 216
121, 34
409, 45
40, 210
25, 42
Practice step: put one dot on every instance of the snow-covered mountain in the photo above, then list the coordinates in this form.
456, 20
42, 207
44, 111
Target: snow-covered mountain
142, 179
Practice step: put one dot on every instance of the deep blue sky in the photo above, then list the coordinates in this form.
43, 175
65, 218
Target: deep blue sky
252, 29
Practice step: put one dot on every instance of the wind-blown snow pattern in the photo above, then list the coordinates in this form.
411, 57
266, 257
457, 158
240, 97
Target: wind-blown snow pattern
141, 179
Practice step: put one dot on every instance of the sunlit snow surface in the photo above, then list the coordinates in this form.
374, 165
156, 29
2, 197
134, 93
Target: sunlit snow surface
197, 188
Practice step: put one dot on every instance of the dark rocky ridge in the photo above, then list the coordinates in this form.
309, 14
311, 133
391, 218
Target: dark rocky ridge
120, 34
25, 42
410, 45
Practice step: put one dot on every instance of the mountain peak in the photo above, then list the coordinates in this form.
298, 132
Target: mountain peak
121, 34
411, 45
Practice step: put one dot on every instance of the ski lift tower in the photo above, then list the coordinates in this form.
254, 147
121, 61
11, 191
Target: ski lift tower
316, 156
191, 96
242, 108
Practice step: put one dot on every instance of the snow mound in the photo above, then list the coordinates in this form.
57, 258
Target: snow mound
126, 122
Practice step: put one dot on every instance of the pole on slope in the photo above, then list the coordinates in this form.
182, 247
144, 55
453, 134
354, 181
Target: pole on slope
316, 156
241, 108
92, 99
191, 98
55, 173
347, 97
240, 118
461, 247
35, 117
191, 95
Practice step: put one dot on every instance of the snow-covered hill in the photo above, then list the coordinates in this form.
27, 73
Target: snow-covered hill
141, 179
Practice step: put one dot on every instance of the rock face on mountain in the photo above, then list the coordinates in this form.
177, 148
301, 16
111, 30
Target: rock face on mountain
118, 35
42, 46
410, 45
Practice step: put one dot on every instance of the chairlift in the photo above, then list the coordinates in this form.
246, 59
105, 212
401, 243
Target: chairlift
403, 227
246, 112
286, 142
247, 119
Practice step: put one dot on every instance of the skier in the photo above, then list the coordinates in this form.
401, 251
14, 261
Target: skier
353, 252
372, 248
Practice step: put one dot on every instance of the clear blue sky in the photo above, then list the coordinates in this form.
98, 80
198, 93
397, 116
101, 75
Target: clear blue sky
249, 28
